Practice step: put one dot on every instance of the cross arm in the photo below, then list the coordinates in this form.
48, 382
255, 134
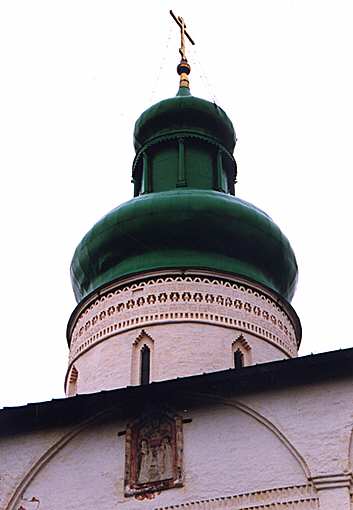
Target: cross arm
180, 25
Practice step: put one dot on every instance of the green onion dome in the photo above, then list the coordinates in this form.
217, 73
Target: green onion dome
184, 214
185, 228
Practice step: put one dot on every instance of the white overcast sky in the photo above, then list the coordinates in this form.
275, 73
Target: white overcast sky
75, 75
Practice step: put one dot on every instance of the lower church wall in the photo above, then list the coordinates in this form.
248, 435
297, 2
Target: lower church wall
19, 453
262, 450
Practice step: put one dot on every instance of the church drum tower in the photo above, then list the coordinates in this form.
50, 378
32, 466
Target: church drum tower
185, 278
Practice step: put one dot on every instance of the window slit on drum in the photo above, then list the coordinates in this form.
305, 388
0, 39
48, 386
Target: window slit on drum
145, 361
238, 359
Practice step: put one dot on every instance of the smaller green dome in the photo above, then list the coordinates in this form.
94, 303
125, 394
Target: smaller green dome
185, 115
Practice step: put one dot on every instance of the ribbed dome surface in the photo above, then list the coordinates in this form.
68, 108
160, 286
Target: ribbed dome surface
186, 114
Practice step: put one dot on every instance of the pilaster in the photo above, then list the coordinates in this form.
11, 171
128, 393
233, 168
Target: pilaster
334, 491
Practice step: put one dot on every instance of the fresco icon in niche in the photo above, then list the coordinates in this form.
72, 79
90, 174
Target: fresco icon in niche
153, 457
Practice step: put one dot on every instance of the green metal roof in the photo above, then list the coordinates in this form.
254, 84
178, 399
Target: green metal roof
184, 114
185, 228
184, 214
275, 376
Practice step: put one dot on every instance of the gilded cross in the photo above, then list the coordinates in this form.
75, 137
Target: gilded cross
180, 22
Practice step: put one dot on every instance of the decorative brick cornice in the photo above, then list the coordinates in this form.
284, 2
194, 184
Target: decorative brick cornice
299, 497
174, 298
333, 481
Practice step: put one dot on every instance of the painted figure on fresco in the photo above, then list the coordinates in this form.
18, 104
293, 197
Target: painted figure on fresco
166, 458
144, 462
155, 462
153, 454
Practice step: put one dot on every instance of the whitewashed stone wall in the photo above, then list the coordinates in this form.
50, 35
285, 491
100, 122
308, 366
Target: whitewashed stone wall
192, 322
283, 450
179, 350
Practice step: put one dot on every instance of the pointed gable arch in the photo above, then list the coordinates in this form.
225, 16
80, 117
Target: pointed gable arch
72, 382
241, 352
143, 336
142, 359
